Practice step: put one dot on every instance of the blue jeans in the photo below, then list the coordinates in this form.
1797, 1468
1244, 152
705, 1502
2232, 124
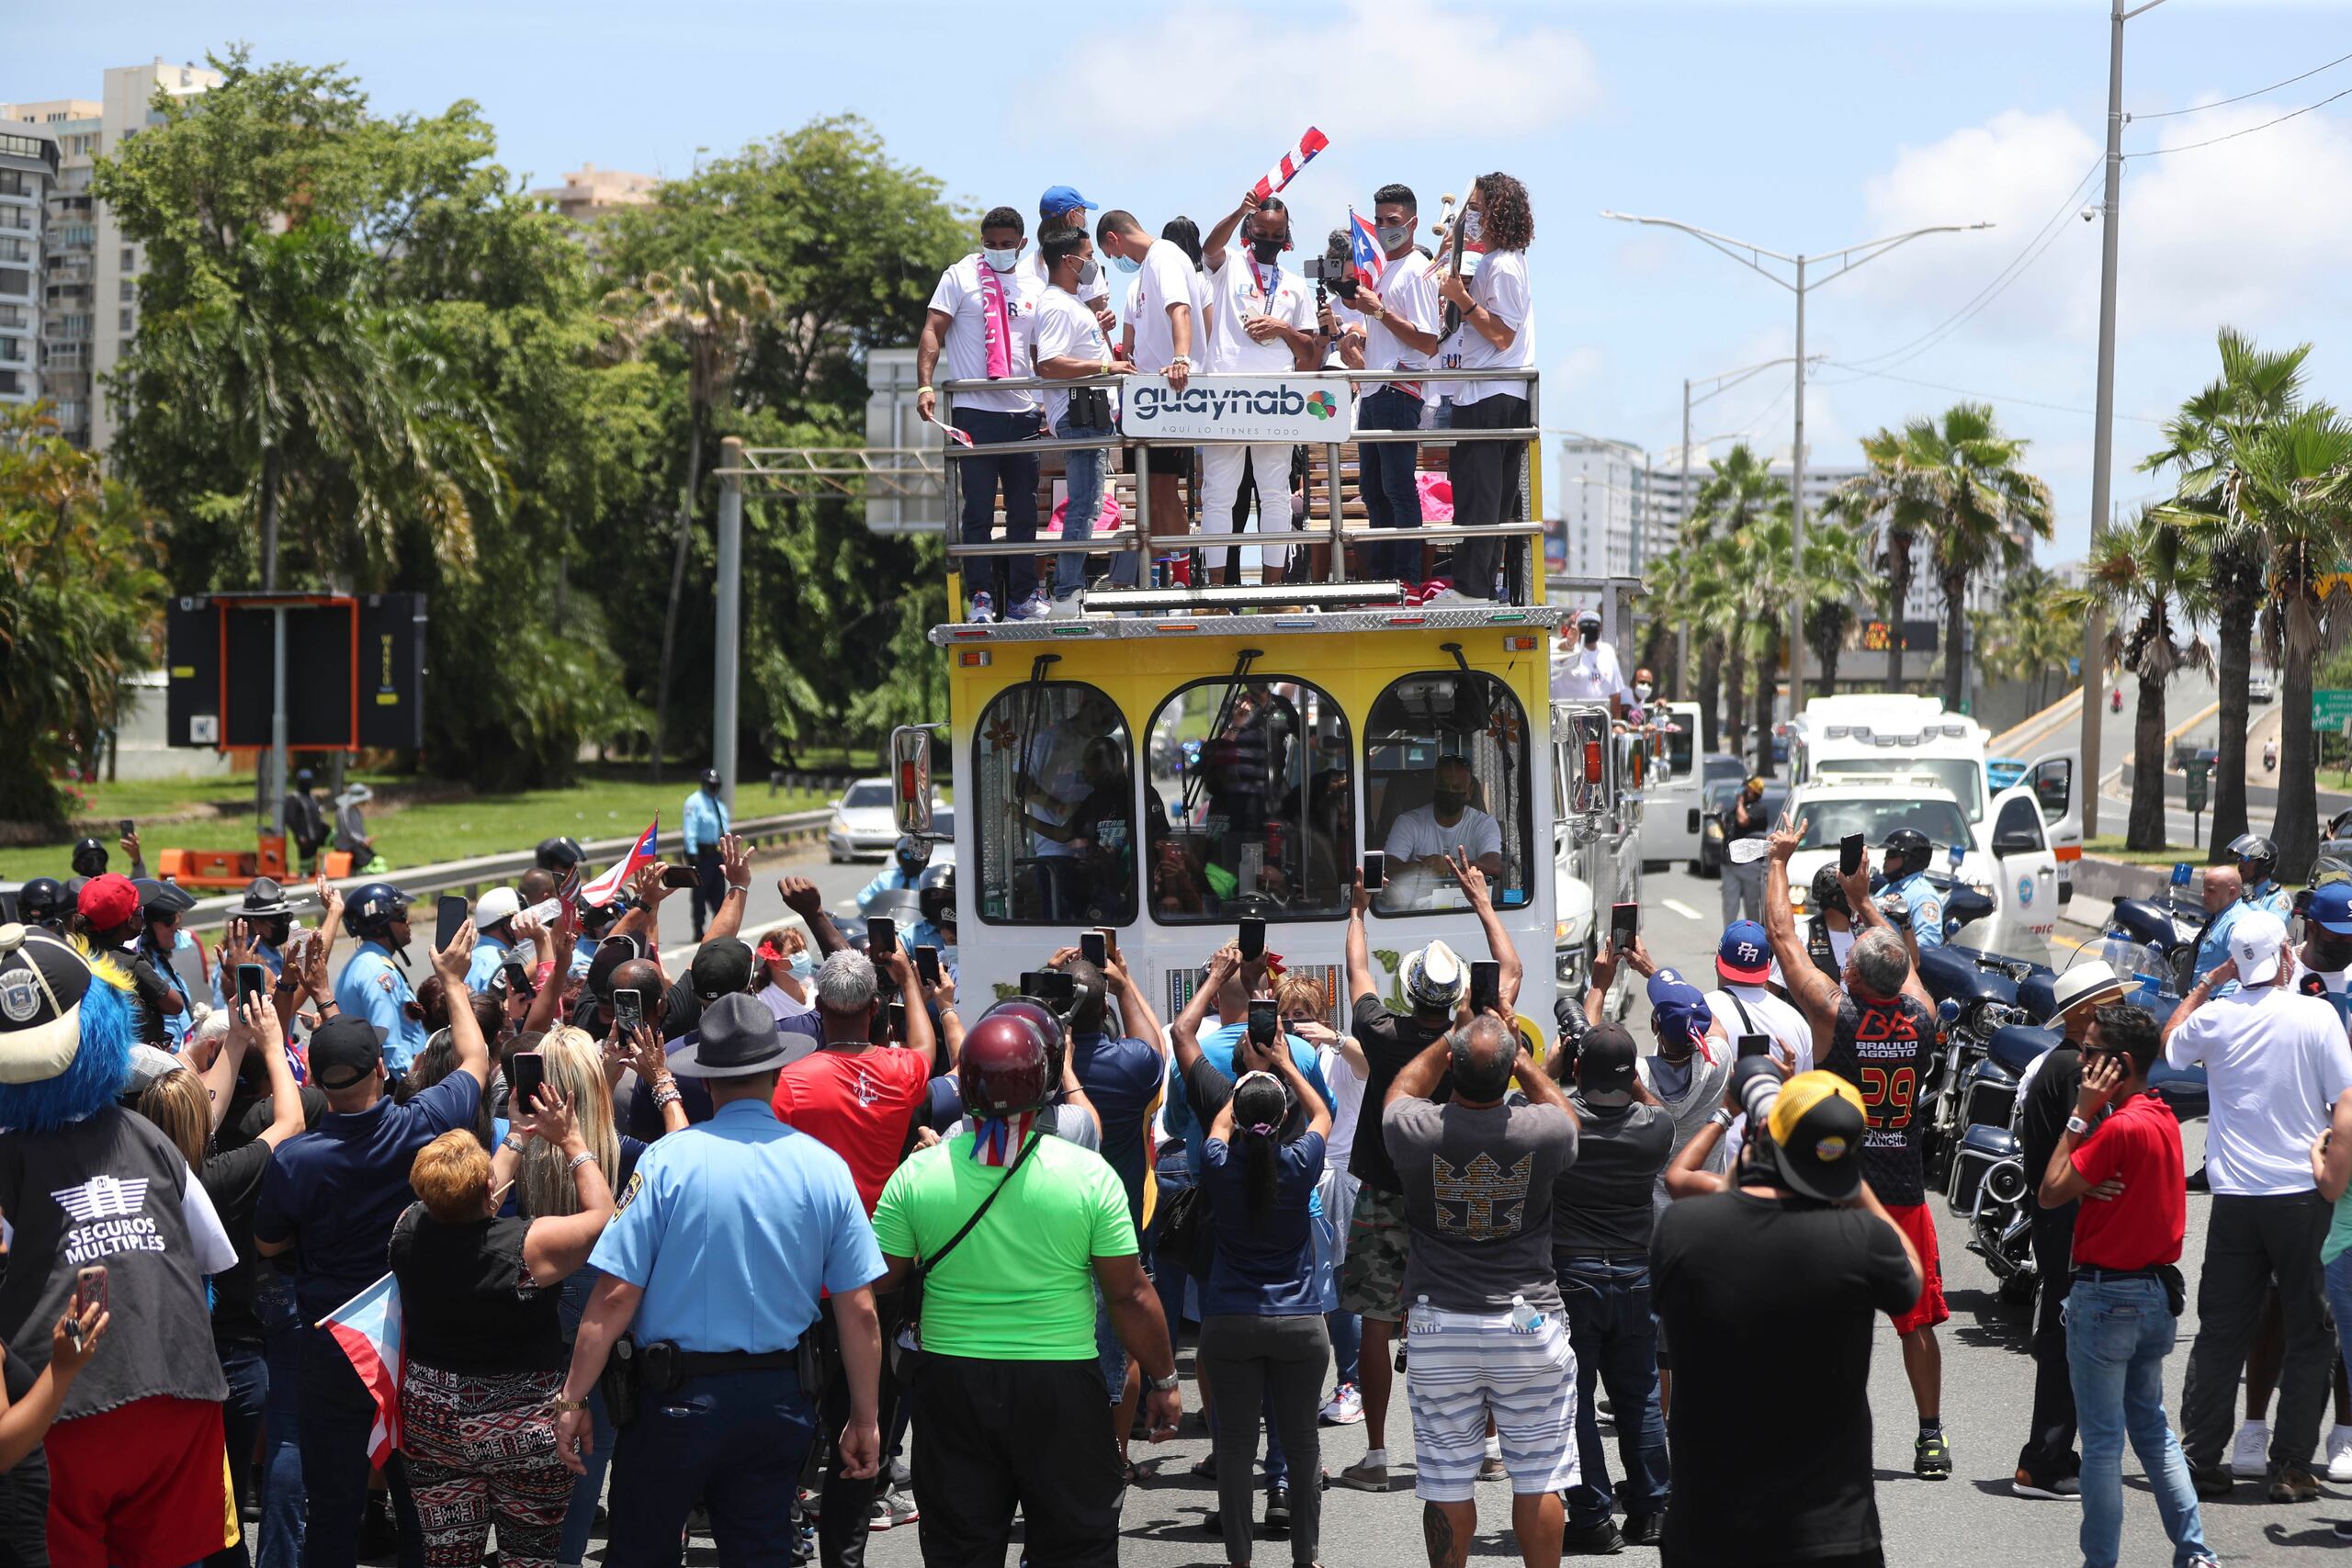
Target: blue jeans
1615, 1340
1392, 497
579, 1518
280, 1538
2117, 1332
1085, 472
240, 1421
1347, 1343
736, 1442
979, 478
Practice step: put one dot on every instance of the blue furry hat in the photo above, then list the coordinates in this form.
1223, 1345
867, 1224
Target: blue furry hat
37, 1001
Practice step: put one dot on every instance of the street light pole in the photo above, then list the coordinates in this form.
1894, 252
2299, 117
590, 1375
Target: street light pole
1753, 257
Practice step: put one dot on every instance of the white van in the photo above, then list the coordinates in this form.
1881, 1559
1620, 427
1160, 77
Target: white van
2011, 865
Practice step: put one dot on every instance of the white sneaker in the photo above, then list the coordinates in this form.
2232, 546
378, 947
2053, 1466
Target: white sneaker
2339, 1454
1036, 608
1070, 608
1344, 1408
893, 1507
1450, 599
2250, 1455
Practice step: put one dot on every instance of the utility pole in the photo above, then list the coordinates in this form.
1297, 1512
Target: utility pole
728, 640
1796, 515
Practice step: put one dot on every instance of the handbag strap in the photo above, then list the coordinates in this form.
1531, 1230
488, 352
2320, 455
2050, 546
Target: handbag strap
923, 1268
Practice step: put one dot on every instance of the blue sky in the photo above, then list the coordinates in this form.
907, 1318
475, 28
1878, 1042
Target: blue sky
1800, 127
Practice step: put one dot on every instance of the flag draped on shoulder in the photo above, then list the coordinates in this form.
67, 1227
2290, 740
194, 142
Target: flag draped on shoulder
599, 891
368, 1328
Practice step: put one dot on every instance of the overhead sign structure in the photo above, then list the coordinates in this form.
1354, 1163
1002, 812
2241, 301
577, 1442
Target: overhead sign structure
1235, 408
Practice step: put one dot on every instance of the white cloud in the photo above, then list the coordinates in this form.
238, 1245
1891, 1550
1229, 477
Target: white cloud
1375, 74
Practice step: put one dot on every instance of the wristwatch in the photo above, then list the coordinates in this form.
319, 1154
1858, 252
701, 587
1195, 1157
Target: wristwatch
561, 1406
2077, 1127
1163, 1385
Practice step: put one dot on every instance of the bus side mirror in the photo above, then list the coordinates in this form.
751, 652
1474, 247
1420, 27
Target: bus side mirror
1586, 761
910, 776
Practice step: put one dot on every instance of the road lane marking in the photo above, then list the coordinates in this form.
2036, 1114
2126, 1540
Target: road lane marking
1679, 907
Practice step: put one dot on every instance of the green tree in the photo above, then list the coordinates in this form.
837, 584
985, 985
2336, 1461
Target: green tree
80, 605
2029, 633
2201, 441
1739, 489
1898, 504
2151, 578
1838, 575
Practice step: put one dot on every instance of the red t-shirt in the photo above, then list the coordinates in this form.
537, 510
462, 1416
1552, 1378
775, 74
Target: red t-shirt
858, 1104
2140, 1140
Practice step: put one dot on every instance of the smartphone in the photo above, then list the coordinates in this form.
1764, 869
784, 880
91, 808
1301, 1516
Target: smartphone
89, 1288
1486, 985
1093, 948
127, 827
680, 876
629, 1010
526, 1074
877, 1032
881, 935
1375, 870
1755, 1044
450, 916
253, 982
1253, 939
1850, 850
518, 978
1265, 1021
927, 964
1054, 986
1624, 920
898, 1022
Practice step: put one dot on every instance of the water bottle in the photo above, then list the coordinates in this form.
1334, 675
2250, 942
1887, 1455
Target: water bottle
1525, 1319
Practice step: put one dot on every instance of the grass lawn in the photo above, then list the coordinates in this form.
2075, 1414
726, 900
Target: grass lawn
2109, 846
409, 836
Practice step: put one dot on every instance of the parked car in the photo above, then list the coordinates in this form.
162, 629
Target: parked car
865, 823
1711, 828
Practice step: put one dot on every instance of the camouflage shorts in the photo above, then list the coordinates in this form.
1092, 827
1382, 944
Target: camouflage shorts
1372, 1281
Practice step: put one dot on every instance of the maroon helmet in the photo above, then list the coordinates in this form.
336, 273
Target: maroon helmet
1003, 1070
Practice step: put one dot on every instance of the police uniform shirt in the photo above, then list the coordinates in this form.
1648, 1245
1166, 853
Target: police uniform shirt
706, 822
2271, 899
372, 986
732, 1228
489, 955
225, 978
1591, 675
1927, 907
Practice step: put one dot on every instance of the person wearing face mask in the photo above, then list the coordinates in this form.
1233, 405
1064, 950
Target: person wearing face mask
789, 968
1069, 345
1745, 817
1586, 668
981, 314
1262, 322
1168, 331
1062, 208
1498, 333
1423, 842
1645, 688
1398, 332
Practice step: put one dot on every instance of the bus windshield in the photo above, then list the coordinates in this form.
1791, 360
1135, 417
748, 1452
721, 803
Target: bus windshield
1055, 808
1962, 778
1446, 771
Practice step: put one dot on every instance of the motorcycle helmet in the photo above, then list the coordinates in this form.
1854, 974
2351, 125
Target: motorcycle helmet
1826, 893
1003, 1070
914, 853
2258, 858
936, 896
163, 901
495, 908
558, 855
89, 858
373, 909
1908, 851
42, 902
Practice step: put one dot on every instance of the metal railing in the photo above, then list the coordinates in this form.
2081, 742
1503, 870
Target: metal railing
1142, 541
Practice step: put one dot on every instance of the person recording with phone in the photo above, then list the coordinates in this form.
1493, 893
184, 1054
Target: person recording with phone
1397, 333
1261, 322
1497, 333
1744, 818
1068, 343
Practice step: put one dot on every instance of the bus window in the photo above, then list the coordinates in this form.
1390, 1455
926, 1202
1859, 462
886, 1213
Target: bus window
1053, 823
1250, 806
1446, 768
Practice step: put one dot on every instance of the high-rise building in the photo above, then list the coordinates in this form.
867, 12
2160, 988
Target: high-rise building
28, 160
90, 299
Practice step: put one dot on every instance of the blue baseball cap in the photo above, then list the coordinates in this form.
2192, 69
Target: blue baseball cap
1676, 1006
1745, 958
2331, 908
1059, 199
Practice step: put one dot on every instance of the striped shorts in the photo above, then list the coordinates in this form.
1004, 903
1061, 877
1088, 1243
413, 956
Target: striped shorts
1463, 1367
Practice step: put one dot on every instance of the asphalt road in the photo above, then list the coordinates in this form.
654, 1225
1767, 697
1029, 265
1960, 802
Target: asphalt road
1971, 1519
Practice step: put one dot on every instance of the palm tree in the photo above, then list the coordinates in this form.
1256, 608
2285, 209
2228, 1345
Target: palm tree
1897, 501
2030, 635
714, 316
2291, 486
1740, 489
1984, 509
1758, 570
2141, 573
1837, 576
2257, 387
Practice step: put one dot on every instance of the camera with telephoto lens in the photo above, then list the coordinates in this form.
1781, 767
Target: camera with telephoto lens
1334, 270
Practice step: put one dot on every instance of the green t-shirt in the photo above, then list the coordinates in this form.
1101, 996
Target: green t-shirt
2339, 1240
1021, 1287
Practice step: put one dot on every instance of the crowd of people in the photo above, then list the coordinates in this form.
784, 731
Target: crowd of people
1224, 302
798, 1242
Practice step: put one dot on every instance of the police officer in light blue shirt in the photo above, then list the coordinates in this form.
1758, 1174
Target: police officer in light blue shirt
371, 985
269, 923
722, 1239
903, 874
160, 939
2257, 868
705, 823
494, 914
1907, 851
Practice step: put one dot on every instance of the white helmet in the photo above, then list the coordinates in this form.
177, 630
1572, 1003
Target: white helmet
498, 904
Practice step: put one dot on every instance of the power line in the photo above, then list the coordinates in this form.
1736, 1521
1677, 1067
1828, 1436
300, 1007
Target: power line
1989, 397
2249, 130
2200, 108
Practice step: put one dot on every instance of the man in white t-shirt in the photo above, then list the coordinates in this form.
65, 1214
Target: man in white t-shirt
1168, 331
1420, 842
980, 315
1498, 333
1398, 332
1743, 1006
2277, 1061
1070, 343
1062, 208
1261, 322
1586, 668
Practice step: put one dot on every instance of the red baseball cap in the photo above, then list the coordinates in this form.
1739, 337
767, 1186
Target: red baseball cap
108, 901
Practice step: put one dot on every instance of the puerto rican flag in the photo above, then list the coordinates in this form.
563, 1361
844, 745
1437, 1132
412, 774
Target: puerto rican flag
1364, 247
600, 892
1297, 158
367, 1327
